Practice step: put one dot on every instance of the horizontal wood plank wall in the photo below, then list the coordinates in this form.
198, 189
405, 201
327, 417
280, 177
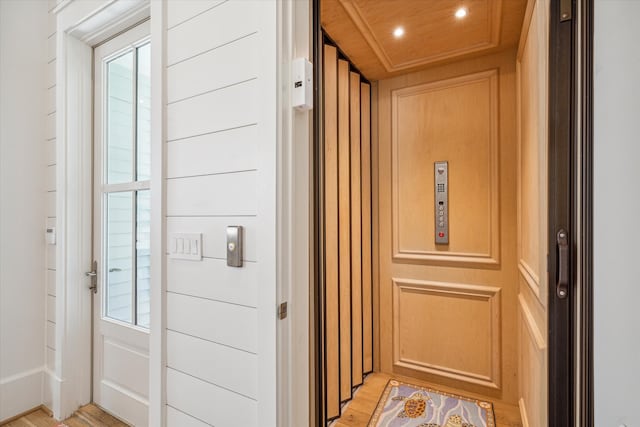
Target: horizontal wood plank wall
332, 299
348, 328
220, 137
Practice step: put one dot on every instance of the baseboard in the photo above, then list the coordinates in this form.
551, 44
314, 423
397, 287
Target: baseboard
21, 393
523, 413
51, 390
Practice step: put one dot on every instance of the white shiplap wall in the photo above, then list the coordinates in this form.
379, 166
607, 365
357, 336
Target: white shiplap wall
220, 170
22, 202
51, 193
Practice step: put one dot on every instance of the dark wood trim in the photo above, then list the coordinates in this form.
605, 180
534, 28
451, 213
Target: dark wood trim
563, 211
585, 394
571, 208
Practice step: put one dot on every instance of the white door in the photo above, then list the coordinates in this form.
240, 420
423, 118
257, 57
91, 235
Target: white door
121, 225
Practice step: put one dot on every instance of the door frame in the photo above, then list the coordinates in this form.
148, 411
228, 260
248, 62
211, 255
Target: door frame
570, 400
585, 319
80, 26
128, 40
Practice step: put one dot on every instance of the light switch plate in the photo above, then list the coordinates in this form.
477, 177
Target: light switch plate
185, 246
50, 235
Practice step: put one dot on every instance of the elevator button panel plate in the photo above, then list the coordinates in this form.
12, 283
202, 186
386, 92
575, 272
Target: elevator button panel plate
234, 245
441, 191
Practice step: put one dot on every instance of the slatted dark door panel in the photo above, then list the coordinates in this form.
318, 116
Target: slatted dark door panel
367, 290
348, 335
356, 233
344, 214
331, 316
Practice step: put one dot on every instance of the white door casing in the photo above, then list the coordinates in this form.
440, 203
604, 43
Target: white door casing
79, 26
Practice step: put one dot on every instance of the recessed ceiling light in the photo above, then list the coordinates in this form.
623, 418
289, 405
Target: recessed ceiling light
461, 13
398, 32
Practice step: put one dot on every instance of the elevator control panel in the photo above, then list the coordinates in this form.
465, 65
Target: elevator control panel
441, 191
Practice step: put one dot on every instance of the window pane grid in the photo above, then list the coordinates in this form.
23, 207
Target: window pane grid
127, 194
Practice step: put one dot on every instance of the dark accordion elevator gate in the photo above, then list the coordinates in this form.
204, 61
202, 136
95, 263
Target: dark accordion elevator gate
347, 346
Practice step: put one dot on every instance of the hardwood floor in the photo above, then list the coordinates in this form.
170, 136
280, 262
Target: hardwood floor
356, 414
87, 416
359, 410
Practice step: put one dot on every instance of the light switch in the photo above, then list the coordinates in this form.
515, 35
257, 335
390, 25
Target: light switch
51, 235
186, 246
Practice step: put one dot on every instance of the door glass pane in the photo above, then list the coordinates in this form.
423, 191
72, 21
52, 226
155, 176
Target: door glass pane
144, 113
119, 262
143, 256
120, 119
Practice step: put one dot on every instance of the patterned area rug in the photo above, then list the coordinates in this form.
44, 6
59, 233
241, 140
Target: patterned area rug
408, 405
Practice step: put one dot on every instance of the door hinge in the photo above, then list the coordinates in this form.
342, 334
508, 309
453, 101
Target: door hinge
566, 10
282, 311
93, 274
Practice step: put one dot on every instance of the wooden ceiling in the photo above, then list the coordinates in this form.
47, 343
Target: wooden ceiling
363, 29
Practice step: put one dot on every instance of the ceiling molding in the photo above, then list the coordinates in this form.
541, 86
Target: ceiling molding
361, 24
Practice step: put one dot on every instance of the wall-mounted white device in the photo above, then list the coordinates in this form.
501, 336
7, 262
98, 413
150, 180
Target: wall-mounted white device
186, 246
50, 235
302, 91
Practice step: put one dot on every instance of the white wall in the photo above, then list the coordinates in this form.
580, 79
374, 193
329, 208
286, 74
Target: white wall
616, 213
220, 171
22, 187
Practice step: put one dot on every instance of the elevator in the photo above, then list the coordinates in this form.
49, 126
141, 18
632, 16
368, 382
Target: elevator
434, 203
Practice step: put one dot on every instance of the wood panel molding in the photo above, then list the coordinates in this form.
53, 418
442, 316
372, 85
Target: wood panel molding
534, 331
523, 413
437, 255
530, 277
489, 295
363, 26
532, 129
532, 366
524, 33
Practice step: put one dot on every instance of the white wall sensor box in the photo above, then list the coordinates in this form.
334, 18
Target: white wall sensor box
302, 93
